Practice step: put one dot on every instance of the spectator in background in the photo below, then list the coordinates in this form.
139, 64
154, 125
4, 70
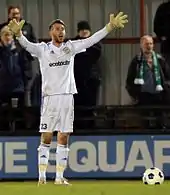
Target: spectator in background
12, 69
148, 76
86, 69
162, 28
87, 76
14, 12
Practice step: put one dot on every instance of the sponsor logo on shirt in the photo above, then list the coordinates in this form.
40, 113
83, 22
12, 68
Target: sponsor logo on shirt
61, 63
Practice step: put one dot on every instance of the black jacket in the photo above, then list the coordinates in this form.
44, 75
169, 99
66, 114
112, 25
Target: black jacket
162, 26
161, 20
27, 31
12, 70
135, 90
86, 64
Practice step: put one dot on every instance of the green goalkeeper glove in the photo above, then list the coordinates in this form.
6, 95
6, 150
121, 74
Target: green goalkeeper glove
117, 21
16, 27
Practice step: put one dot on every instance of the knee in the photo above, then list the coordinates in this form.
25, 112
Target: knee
46, 138
63, 138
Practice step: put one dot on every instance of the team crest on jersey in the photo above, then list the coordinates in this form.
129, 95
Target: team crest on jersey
66, 50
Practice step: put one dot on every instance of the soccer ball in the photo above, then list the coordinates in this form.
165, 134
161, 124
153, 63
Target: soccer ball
153, 176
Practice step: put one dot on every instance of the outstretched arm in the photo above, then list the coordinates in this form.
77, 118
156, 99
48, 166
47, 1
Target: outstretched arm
79, 45
115, 22
33, 48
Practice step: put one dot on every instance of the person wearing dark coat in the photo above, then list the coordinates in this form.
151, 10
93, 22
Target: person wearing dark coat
87, 76
14, 12
148, 77
86, 69
162, 28
13, 66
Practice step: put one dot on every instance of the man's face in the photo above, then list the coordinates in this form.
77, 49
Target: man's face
6, 38
57, 32
147, 45
84, 33
15, 14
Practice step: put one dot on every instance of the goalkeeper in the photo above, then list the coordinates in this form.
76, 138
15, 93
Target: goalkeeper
58, 86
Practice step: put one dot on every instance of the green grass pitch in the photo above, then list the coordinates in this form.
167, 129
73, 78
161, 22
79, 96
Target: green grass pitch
85, 188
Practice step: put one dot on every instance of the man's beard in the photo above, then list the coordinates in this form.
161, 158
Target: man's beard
58, 40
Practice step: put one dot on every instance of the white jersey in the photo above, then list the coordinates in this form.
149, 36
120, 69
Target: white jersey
57, 63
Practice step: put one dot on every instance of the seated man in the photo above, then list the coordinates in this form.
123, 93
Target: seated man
148, 75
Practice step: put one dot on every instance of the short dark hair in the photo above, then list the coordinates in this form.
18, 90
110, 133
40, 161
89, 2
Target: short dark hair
57, 21
13, 7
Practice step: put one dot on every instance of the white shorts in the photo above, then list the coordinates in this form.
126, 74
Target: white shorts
57, 113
